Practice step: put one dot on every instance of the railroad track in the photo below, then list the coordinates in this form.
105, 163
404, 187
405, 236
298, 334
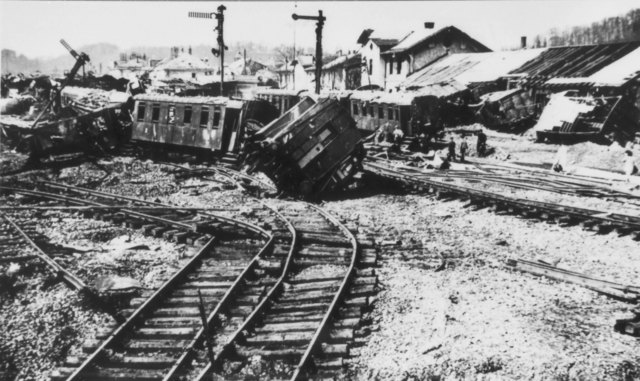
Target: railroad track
255, 288
598, 220
526, 178
18, 237
164, 330
306, 325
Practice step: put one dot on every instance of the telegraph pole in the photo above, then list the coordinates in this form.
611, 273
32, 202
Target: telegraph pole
221, 46
320, 23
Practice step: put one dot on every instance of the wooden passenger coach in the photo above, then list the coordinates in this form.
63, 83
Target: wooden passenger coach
201, 123
281, 99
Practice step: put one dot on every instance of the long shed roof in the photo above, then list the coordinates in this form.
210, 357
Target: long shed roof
455, 72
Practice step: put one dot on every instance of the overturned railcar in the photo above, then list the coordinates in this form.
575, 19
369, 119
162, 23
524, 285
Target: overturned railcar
314, 148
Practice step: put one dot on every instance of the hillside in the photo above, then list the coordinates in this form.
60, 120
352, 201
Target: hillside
613, 29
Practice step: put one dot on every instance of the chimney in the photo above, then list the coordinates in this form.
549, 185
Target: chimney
523, 42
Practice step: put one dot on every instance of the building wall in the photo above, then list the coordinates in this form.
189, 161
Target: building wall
393, 79
421, 56
375, 65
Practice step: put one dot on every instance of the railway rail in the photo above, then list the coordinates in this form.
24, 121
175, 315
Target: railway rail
16, 244
282, 286
599, 220
306, 324
528, 178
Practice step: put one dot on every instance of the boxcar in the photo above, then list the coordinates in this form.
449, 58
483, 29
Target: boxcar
195, 124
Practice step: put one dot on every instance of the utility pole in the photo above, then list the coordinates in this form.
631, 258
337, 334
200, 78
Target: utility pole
320, 23
221, 46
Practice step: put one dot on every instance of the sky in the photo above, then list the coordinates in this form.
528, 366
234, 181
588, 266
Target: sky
34, 28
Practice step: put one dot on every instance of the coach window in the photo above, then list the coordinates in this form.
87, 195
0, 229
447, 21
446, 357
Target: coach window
172, 114
217, 111
371, 111
141, 110
155, 113
355, 109
187, 115
380, 112
204, 117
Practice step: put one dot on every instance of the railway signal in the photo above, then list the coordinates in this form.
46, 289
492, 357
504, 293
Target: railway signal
320, 23
219, 16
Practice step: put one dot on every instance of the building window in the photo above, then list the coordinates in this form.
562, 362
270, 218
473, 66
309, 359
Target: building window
391, 66
187, 115
370, 66
155, 113
355, 109
204, 117
141, 110
380, 112
399, 68
216, 116
172, 114
193, 75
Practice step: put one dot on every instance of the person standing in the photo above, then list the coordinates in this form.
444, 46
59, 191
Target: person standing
452, 150
463, 149
481, 143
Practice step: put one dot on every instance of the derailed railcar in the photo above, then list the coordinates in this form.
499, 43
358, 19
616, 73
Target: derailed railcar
412, 112
201, 125
313, 148
92, 133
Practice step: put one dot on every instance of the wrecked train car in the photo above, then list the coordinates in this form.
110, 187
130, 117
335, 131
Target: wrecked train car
507, 110
91, 133
569, 117
204, 126
413, 113
313, 148
281, 99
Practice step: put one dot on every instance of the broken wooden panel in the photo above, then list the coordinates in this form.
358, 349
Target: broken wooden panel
578, 118
314, 148
507, 109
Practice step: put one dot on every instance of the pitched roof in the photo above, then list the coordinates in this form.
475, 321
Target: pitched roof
467, 68
184, 61
582, 62
364, 36
455, 72
421, 36
385, 43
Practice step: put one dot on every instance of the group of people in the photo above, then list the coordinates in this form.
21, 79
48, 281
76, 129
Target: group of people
422, 142
481, 147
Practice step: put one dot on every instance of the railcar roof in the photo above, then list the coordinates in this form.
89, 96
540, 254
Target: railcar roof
221, 101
